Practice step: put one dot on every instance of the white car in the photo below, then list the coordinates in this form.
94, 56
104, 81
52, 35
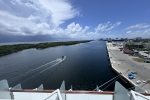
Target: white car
138, 82
144, 81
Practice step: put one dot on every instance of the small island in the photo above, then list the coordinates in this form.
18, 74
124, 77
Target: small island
8, 49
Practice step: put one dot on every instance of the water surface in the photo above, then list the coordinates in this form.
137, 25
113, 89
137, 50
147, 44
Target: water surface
85, 66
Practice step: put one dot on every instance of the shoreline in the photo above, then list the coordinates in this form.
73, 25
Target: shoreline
9, 49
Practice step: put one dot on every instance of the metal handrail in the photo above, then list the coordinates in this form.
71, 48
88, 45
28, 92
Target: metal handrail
56, 91
133, 93
108, 81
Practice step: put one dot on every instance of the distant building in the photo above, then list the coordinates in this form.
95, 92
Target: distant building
147, 45
138, 38
101, 39
122, 39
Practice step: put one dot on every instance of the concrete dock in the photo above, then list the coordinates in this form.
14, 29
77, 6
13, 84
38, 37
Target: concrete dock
123, 63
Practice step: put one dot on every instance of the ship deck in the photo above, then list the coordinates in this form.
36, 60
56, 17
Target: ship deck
74, 95
70, 95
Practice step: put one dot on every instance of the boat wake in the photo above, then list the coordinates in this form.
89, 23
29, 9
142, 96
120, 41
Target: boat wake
40, 69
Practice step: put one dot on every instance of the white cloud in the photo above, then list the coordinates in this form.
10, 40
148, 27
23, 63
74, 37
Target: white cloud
27, 17
44, 17
61, 10
14, 25
139, 33
129, 31
138, 26
75, 30
145, 33
107, 26
30, 17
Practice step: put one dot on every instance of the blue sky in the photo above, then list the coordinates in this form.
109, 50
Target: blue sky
84, 19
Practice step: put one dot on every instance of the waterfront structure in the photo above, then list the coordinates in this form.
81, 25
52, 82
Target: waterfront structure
123, 63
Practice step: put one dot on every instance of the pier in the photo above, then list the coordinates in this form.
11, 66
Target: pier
124, 64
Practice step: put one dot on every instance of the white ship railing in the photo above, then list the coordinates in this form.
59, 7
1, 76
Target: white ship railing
6, 93
58, 93
135, 95
120, 93
61, 93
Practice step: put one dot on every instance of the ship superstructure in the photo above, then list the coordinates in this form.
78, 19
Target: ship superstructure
119, 93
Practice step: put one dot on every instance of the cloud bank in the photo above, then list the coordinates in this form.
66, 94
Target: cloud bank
30, 17
107, 26
138, 26
138, 33
138, 30
44, 17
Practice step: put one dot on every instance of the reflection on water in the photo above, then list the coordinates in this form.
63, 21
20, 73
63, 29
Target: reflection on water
85, 66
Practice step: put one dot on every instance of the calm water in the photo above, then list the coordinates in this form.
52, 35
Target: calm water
85, 67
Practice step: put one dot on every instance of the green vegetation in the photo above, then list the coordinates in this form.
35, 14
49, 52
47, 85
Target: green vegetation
142, 40
145, 48
133, 46
138, 59
8, 49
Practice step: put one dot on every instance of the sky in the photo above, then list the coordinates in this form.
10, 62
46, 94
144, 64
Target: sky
75, 19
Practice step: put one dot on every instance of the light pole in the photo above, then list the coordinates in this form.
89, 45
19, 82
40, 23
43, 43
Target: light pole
148, 55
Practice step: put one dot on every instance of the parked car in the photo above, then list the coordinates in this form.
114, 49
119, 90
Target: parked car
138, 82
147, 61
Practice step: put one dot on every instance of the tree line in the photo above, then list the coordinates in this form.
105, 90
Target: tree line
8, 49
